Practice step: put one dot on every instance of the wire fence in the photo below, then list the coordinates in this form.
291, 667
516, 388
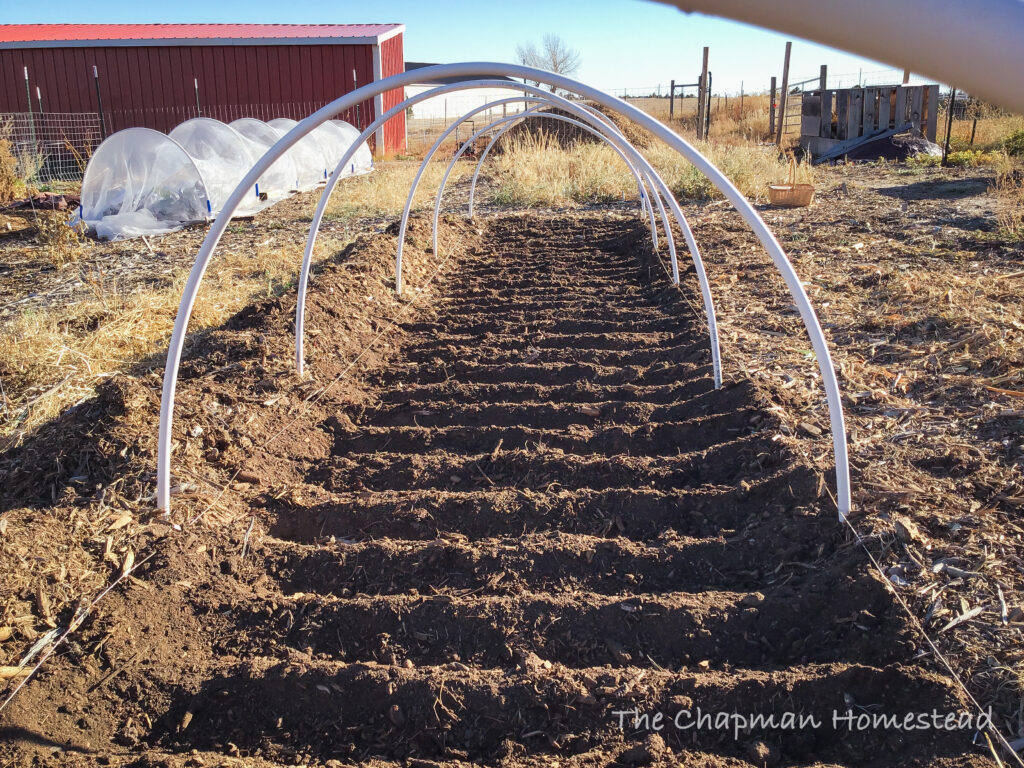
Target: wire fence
51, 146
56, 146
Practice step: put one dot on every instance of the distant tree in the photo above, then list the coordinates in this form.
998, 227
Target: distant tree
553, 55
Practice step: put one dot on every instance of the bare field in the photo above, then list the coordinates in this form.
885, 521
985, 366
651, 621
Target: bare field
524, 507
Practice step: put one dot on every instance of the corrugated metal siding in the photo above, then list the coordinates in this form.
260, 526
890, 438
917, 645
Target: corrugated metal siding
153, 86
393, 62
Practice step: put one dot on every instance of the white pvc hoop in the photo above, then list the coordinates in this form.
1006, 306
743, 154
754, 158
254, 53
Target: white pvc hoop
332, 182
481, 69
307, 257
623, 145
508, 122
660, 188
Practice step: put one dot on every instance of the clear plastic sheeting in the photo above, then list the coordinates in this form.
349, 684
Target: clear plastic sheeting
308, 154
362, 161
279, 180
141, 182
224, 156
333, 142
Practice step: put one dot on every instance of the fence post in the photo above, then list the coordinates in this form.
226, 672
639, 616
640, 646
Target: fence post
780, 127
771, 110
949, 125
823, 78
672, 100
355, 84
702, 95
99, 102
741, 99
707, 110
31, 117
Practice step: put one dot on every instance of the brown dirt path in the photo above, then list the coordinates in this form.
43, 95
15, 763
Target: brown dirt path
539, 514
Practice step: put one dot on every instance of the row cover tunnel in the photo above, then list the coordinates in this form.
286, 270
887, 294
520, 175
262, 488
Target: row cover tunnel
141, 182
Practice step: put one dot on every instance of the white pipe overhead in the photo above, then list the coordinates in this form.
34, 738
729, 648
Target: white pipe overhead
975, 45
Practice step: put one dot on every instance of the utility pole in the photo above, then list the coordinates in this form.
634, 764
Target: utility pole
782, 101
702, 95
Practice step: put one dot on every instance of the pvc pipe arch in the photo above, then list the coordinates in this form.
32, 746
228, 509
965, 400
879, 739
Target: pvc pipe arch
551, 98
507, 122
532, 112
472, 187
535, 112
658, 182
332, 182
481, 69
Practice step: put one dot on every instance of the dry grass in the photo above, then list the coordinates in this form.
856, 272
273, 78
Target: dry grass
62, 243
56, 357
385, 191
9, 181
1009, 191
534, 170
730, 120
990, 133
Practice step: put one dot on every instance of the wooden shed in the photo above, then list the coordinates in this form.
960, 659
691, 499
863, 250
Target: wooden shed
158, 75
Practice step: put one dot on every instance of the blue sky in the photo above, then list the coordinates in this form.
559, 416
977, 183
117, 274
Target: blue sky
622, 43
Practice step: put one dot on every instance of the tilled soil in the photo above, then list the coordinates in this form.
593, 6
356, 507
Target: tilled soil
541, 514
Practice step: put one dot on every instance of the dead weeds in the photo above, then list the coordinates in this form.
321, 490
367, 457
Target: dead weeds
921, 299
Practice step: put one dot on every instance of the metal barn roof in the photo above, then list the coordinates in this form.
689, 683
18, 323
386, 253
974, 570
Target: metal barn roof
82, 35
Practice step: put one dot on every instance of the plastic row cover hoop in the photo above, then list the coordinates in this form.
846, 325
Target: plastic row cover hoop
362, 161
279, 180
224, 156
482, 69
308, 155
661, 190
141, 182
332, 182
334, 142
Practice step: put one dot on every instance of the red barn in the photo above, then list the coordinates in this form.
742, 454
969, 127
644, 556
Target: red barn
158, 75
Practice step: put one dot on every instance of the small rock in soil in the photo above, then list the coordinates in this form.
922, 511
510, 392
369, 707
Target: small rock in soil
652, 748
762, 753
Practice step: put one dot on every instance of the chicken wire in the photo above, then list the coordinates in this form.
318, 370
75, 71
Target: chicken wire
51, 146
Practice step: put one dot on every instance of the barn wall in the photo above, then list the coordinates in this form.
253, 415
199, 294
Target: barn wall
393, 63
153, 86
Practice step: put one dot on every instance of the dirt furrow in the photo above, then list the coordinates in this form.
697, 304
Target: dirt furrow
536, 515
